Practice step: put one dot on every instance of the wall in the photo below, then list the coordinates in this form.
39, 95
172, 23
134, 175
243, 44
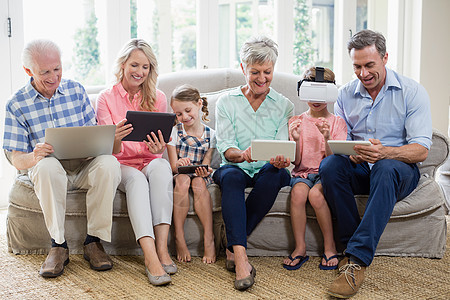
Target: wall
434, 61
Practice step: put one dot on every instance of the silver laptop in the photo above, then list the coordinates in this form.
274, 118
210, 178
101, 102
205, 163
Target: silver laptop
81, 142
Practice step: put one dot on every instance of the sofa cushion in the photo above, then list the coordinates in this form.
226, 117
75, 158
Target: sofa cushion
22, 196
415, 204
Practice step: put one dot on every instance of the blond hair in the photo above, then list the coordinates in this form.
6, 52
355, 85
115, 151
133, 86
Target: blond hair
148, 87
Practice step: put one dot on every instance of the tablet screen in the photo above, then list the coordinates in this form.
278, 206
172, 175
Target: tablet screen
145, 122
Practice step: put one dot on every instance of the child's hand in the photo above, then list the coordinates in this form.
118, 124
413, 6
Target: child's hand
295, 129
203, 172
185, 161
324, 127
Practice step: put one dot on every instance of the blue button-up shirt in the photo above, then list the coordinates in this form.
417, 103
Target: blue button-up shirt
28, 114
399, 115
237, 124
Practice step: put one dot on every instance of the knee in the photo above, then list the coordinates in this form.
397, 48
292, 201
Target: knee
159, 167
298, 195
332, 164
386, 170
108, 163
198, 185
182, 183
231, 177
316, 198
48, 167
279, 175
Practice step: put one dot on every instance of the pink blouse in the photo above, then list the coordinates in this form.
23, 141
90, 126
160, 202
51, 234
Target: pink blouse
312, 143
112, 107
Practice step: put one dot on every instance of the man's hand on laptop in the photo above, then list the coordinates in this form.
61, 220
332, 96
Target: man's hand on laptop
42, 150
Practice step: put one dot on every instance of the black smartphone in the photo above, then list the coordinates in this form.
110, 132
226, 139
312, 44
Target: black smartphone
190, 169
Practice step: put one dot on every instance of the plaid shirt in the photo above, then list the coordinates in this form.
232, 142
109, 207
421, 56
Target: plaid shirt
28, 114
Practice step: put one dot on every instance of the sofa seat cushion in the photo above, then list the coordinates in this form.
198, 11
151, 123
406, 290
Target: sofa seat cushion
415, 204
23, 197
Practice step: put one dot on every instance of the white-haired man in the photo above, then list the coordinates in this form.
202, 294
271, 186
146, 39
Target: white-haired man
46, 101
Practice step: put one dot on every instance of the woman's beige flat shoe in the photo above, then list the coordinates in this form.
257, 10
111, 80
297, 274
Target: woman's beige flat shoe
158, 280
230, 266
170, 269
247, 282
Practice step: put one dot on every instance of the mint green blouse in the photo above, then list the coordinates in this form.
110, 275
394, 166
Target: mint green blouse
237, 124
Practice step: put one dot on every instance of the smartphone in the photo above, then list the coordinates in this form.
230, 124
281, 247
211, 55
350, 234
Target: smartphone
190, 169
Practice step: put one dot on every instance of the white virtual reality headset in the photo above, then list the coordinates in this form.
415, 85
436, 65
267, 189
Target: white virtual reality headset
319, 90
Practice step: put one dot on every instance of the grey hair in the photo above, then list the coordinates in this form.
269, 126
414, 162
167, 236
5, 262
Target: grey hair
258, 50
35, 47
365, 38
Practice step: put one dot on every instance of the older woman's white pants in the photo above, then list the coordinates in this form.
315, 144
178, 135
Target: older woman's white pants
149, 196
100, 176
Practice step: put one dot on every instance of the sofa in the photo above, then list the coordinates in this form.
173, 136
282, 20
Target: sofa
417, 226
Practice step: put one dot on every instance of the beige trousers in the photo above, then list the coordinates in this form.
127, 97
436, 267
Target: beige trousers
100, 176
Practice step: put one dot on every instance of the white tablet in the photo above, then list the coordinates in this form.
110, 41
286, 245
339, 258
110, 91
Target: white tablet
346, 147
267, 149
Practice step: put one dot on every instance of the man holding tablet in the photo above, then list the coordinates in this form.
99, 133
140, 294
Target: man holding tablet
48, 101
393, 113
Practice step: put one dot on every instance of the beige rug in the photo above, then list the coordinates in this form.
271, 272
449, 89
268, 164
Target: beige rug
387, 278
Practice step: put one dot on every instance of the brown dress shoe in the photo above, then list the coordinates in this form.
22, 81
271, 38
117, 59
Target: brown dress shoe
53, 266
96, 256
348, 282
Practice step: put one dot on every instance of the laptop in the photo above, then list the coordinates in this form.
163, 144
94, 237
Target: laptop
145, 122
81, 142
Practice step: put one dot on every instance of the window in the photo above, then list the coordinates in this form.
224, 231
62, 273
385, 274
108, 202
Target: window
238, 21
78, 38
146, 21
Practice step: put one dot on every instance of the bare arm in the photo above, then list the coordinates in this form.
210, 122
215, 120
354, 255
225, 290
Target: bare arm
22, 160
237, 156
411, 153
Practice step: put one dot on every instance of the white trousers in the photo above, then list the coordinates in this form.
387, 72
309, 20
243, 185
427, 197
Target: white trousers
100, 176
149, 196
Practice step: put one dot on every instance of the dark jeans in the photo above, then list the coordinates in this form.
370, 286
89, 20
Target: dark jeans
241, 216
386, 183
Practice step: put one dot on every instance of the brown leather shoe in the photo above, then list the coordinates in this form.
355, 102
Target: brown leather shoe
96, 256
348, 282
53, 265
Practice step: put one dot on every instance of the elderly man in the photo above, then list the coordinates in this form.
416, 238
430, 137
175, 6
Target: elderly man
49, 101
393, 113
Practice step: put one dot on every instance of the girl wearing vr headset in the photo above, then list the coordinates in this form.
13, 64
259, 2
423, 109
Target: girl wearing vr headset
311, 130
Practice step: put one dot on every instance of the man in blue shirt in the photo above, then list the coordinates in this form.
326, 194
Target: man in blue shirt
49, 101
393, 113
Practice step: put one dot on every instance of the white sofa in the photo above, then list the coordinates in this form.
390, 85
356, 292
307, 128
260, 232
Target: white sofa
417, 226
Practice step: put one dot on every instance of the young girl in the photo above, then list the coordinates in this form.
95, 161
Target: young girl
192, 144
311, 131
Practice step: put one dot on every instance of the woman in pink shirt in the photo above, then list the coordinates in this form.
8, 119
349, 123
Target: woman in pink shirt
146, 176
311, 131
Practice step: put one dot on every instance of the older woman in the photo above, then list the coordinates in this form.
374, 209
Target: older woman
252, 111
146, 177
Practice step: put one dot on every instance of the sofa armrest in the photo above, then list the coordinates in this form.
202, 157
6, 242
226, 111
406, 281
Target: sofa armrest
437, 155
